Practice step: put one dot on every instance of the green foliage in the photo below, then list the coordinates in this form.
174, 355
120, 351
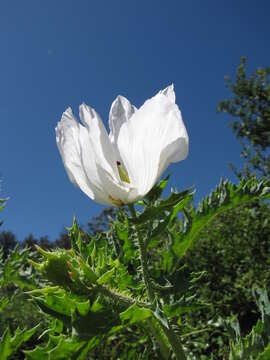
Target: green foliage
225, 197
14, 270
2, 204
125, 292
106, 285
234, 252
10, 344
16, 276
3, 303
135, 314
58, 347
250, 104
16, 311
159, 210
256, 344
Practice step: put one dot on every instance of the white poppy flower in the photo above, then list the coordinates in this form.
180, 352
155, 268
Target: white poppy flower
122, 167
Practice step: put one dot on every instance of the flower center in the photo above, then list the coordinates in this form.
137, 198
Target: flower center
122, 172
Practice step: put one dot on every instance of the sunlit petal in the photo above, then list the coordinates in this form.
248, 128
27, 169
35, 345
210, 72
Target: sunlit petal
153, 137
89, 164
121, 110
68, 142
169, 92
104, 151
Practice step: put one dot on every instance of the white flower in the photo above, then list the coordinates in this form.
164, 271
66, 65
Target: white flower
123, 166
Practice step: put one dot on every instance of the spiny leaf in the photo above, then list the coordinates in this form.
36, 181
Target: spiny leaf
168, 218
262, 301
14, 270
5, 345
181, 307
154, 211
83, 307
122, 234
10, 344
87, 271
265, 355
58, 347
75, 237
256, 344
159, 314
106, 276
225, 197
157, 190
90, 345
60, 301
157, 331
3, 303
95, 323
135, 314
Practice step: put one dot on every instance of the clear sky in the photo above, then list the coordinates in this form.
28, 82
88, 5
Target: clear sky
60, 53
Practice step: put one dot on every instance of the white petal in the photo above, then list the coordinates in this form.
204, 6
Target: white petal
174, 152
121, 110
104, 167
104, 151
68, 134
118, 193
67, 139
89, 163
153, 137
169, 92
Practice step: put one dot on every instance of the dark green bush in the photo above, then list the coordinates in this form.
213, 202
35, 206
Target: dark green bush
235, 253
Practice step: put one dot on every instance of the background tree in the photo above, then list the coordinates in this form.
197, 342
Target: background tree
45, 243
234, 252
8, 242
30, 241
63, 241
101, 222
250, 105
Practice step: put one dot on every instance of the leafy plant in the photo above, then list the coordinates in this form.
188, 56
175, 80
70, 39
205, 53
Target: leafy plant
130, 275
256, 345
10, 344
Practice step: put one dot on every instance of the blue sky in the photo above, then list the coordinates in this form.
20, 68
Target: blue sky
60, 53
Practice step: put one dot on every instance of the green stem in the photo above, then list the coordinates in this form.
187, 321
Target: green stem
175, 343
156, 332
123, 300
172, 338
146, 278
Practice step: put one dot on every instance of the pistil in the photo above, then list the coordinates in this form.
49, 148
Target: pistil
122, 172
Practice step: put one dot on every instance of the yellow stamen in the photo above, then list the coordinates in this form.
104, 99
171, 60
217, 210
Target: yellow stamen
115, 202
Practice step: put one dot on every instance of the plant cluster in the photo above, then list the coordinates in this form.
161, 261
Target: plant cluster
127, 283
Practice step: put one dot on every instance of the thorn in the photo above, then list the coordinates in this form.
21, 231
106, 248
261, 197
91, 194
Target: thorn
47, 254
34, 264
